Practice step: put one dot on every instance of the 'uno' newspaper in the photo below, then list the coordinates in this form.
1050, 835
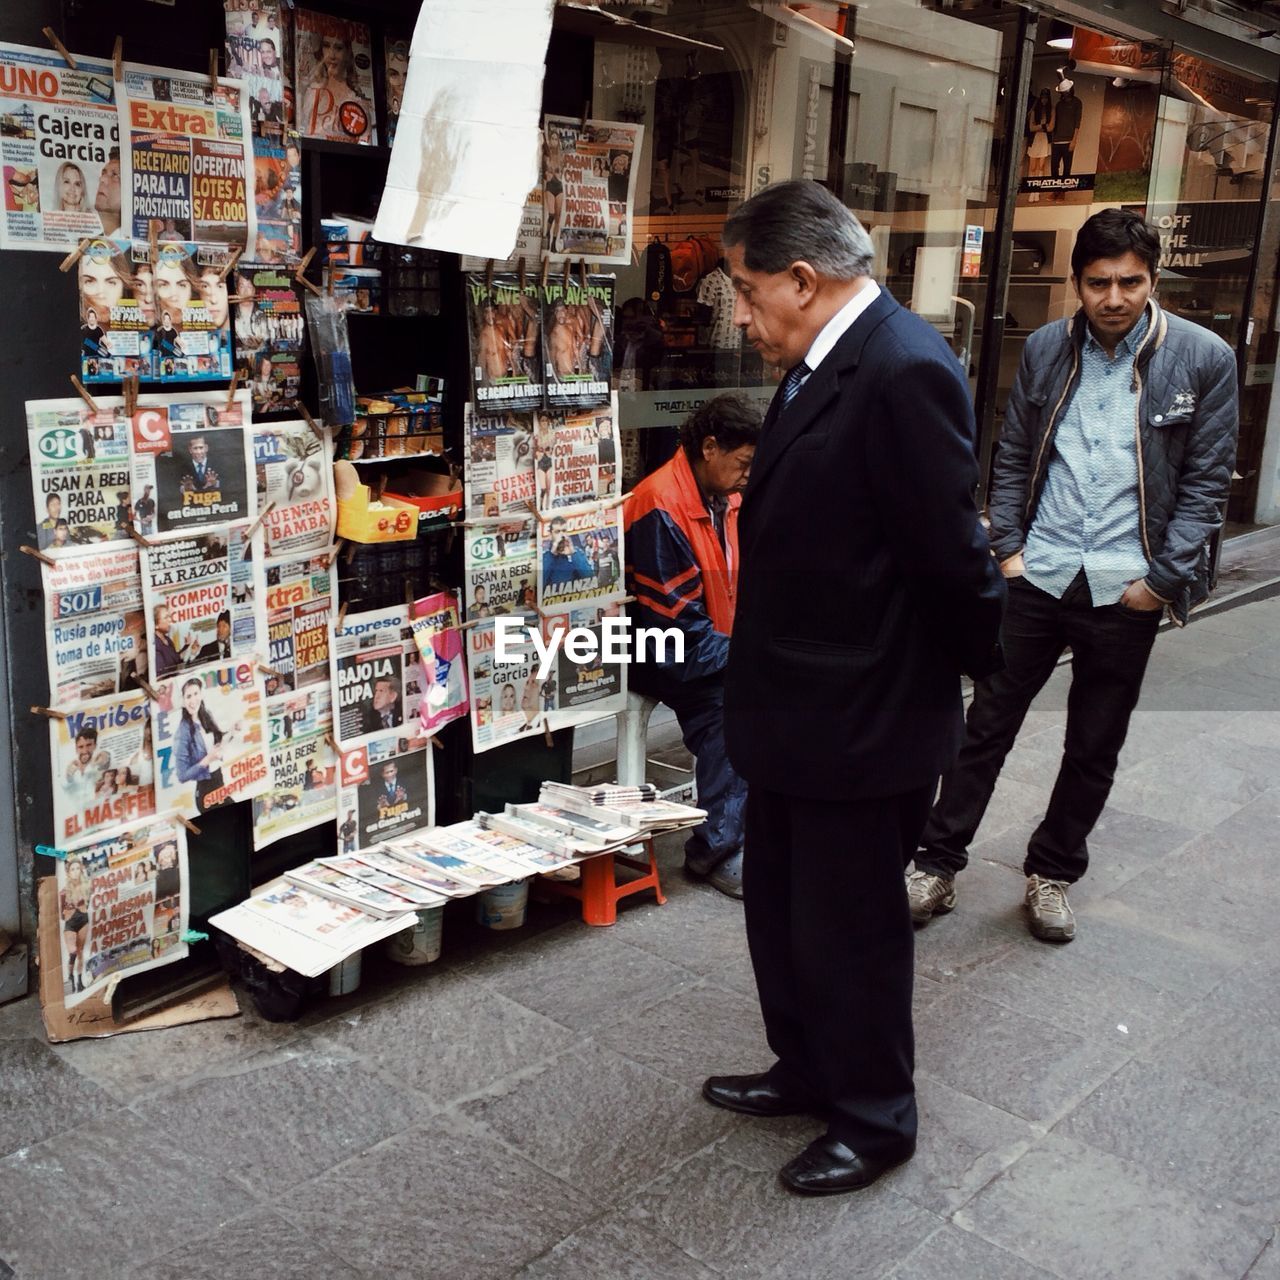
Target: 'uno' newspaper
503, 322
299, 604
501, 569
187, 159
192, 459
294, 471
443, 664
386, 788
202, 596
581, 558
584, 456
499, 476
60, 149
79, 473
209, 740
302, 784
374, 662
506, 698
96, 637
122, 906
102, 767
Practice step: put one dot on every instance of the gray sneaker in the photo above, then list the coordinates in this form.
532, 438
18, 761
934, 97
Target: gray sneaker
727, 877
930, 895
1050, 916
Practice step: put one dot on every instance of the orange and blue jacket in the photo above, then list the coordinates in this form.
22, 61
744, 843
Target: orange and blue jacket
677, 570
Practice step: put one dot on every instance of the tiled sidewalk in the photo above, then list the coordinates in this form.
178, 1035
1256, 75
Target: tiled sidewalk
529, 1104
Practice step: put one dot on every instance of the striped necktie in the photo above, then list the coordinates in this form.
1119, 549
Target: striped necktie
792, 383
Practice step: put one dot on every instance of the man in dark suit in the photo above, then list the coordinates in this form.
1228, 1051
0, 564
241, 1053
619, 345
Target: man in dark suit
219, 648
867, 587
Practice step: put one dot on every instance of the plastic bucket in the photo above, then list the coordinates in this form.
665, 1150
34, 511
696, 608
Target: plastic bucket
503, 907
421, 944
344, 978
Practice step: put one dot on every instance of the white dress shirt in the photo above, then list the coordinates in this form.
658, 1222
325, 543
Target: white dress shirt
839, 325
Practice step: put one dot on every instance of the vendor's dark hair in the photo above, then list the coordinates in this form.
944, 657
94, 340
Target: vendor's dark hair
1113, 233
732, 420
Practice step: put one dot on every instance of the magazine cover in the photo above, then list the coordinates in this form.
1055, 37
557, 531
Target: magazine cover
506, 698
577, 342
501, 569
122, 903
581, 558
302, 771
299, 605
503, 321
192, 459
61, 149
270, 331
209, 743
102, 767
499, 477
386, 788
395, 62
295, 472
79, 473
375, 660
334, 61
203, 594
116, 311
97, 637
443, 665
583, 448
190, 312
588, 187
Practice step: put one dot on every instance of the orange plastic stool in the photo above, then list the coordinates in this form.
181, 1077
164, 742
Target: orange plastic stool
599, 890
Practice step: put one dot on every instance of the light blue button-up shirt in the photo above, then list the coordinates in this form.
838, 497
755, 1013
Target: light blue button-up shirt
1088, 511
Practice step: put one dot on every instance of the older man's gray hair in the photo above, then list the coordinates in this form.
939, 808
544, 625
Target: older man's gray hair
800, 221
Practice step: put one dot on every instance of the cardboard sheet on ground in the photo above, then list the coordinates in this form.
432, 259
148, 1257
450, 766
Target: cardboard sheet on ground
467, 140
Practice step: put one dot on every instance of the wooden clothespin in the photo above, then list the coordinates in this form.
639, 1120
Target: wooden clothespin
75, 255
337, 551
586, 111
117, 60
270, 671
488, 276
137, 537
231, 262
52, 37
149, 690
568, 267
520, 274
546, 733
435, 742
332, 744
342, 617
625, 600
49, 713
38, 555
152, 237
83, 394
582, 273
299, 272
231, 390
408, 599
328, 281
186, 822
311, 422
213, 68
618, 501
129, 389
262, 515
546, 266
475, 622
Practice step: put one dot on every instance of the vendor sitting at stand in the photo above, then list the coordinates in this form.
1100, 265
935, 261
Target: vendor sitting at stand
682, 569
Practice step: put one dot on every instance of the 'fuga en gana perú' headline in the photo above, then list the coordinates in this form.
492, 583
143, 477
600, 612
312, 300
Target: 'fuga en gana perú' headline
611, 640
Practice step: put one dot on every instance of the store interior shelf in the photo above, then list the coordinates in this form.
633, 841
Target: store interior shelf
322, 146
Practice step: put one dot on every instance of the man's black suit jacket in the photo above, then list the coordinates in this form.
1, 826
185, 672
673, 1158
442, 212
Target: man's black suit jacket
867, 585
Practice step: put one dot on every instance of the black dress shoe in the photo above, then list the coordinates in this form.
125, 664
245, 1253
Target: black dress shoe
753, 1096
826, 1167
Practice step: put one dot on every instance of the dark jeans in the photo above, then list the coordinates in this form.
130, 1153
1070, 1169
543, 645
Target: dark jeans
1060, 158
1109, 649
831, 945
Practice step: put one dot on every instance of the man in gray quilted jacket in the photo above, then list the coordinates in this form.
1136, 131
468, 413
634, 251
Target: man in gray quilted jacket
1112, 476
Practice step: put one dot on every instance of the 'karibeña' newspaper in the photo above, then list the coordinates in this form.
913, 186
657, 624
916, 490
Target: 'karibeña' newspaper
386, 788
96, 635
295, 472
299, 604
302, 786
122, 903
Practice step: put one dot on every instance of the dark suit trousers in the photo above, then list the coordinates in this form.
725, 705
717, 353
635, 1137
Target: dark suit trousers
832, 948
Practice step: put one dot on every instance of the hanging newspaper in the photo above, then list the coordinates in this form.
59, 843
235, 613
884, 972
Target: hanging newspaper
385, 789
334, 60
500, 472
501, 569
506, 697
277, 163
584, 456
302, 785
503, 320
581, 558
192, 460
187, 297
579, 692
79, 473
60, 146
588, 187
299, 605
294, 471
209, 740
97, 639
443, 666
102, 767
117, 310
375, 659
203, 594
123, 903
577, 346
187, 159
256, 55
269, 336
395, 63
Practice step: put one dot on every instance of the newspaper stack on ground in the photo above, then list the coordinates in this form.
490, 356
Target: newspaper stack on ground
640, 808
357, 868
572, 836
304, 931
321, 878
